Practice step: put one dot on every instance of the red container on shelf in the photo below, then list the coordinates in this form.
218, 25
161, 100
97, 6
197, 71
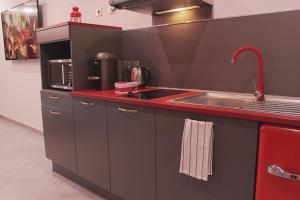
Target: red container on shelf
278, 176
75, 15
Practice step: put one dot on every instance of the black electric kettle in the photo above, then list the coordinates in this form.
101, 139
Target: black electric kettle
140, 74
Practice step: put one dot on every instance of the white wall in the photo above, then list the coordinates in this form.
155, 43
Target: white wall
52, 13
19, 85
20, 80
232, 8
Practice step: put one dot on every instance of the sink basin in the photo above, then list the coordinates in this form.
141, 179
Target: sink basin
217, 100
272, 104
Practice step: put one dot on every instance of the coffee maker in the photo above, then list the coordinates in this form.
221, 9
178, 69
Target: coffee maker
103, 73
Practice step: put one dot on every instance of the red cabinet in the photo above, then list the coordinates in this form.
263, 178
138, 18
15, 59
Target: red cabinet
278, 164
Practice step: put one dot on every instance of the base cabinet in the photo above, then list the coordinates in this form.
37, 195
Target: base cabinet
132, 151
234, 163
59, 137
92, 141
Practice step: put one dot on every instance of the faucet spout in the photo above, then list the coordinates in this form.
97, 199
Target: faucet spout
259, 93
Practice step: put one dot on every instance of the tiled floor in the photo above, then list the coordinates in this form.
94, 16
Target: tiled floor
25, 173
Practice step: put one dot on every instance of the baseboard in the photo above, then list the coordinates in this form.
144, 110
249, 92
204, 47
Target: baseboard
22, 125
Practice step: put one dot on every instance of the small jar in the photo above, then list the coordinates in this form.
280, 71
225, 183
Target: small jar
75, 15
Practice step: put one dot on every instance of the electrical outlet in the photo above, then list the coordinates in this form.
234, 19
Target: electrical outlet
99, 12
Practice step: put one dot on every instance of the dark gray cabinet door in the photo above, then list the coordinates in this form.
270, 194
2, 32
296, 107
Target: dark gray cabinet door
59, 137
91, 141
57, 99
234, 163
131, 131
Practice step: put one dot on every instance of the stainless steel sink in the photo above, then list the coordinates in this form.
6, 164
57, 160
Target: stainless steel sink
272, 104
276, 106
217, 100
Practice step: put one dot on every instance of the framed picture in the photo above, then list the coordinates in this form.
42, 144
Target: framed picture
19, 26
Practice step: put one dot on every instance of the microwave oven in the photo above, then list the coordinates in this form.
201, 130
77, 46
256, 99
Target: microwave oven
60, 74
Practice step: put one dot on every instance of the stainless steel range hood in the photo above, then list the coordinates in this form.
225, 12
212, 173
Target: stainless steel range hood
152, 6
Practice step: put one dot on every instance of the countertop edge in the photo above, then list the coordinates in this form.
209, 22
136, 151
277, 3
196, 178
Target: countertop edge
163, 103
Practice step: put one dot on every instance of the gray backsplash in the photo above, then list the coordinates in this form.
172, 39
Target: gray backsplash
197, 55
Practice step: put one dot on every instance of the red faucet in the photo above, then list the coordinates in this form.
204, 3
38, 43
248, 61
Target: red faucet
259, 93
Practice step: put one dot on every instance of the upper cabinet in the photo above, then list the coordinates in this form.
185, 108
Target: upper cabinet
52, 34
79, 43
69, 30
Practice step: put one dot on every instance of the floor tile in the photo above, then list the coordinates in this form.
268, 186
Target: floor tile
26, 174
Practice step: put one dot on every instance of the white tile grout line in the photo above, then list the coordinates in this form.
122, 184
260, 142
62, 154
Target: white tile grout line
22, 125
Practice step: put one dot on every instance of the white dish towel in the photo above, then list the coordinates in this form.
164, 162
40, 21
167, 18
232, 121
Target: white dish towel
197, 149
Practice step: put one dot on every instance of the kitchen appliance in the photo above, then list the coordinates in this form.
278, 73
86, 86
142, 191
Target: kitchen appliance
103, 73
123, 74
140, 74
151, 6
60, 74
278, 175
152, 94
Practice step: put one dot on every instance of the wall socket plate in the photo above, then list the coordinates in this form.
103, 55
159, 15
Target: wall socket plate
99, 12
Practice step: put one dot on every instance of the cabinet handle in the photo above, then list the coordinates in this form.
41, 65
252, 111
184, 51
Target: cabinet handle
127, 111
86, 103
63, 74
55, 113
54, 97
279, 172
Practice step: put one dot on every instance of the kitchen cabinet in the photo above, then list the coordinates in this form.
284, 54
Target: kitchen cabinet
234, 162
59, 137
53, 34
65, 41
92, 141
131, 131
134, 151
57, 99
278, 175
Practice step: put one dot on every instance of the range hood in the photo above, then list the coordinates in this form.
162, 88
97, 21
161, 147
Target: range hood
152, 6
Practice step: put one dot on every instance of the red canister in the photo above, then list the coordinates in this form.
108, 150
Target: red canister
75, 15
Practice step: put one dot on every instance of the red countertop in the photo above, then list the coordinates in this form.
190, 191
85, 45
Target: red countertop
165, 103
